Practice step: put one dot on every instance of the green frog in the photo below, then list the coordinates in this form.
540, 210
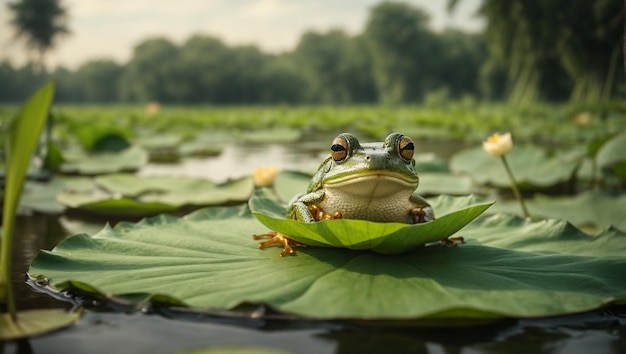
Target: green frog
369, 181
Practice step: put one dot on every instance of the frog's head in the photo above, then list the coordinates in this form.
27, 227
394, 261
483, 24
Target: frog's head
351, 161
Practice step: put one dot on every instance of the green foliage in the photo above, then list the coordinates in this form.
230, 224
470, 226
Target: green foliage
129, 159
592, 210
611, 156
549, 50
21, 140
399, 41
532, 168
128, 195
23, 132
509, 267
544, 47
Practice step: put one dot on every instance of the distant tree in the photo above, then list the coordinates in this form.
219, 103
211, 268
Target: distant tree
149, 76
98, 80
460, 58
18, 83
357, 71
403, 50
202, 70
282, 80
39, 23
552, 49
67, 88
320, 57
247, 73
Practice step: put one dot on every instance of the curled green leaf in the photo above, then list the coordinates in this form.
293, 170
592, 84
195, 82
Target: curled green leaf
387, 238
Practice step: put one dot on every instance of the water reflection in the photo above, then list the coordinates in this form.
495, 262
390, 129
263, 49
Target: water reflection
34, 232
238, 160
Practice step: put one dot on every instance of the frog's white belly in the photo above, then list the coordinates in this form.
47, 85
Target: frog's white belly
377, 198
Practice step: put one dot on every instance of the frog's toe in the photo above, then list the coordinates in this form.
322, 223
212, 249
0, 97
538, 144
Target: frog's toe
422, 214
452, 241
319, 214
278, 238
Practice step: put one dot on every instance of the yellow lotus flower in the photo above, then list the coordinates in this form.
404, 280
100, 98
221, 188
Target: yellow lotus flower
153, 108
264, 176
498, 145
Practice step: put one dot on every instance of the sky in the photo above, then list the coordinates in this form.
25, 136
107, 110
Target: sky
110, 29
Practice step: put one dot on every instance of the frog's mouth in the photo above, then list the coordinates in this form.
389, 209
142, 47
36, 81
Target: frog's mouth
374, 184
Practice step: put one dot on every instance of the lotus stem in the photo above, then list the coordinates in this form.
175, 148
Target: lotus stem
516, 191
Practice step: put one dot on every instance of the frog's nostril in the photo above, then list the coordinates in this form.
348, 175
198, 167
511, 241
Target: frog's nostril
368, 157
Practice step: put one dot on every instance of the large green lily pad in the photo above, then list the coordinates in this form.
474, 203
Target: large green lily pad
508, 267
444, 183
589, 208
386, 238
531, 166
133, 196
130, 159
41, 196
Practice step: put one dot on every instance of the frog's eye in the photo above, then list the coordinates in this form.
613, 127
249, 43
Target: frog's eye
406, 148
339, 149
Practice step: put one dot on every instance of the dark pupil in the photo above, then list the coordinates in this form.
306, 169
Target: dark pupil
409, 146
337, 147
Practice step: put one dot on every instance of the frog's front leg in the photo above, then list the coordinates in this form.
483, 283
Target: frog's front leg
303, 208
423, 212
279, 238
300, 208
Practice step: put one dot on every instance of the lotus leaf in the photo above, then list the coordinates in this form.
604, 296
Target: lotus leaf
363, 234
290, 183
509, 267
587, 208
132, 196
41, 196
283, 135
611, 156
444, 183
531, 166
129, 159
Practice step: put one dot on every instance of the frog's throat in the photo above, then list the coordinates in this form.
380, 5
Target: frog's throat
375, 176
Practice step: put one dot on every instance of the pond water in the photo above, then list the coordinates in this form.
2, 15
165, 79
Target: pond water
100, 331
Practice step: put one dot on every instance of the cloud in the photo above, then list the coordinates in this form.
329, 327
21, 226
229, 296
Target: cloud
268, 9
112, 28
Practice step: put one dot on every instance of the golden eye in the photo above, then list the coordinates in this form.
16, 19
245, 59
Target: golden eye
406, 148
339, 149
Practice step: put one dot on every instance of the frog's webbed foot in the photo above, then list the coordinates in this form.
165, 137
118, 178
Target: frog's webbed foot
319, 214
278, 238
452, 241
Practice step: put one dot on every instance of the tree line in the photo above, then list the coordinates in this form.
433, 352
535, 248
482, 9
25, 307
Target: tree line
530, 49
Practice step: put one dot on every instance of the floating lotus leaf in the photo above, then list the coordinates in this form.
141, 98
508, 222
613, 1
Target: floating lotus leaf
290, 183
363, 234
41, 196
611, 156
129, 159
132, 196
612, 152
531, 166
588, 208
508, 267
282, 135
444, 183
